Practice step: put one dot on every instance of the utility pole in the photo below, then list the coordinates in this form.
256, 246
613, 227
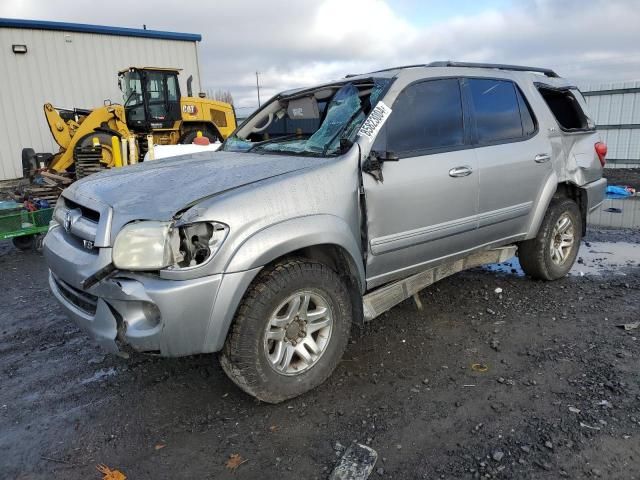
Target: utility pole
258, 87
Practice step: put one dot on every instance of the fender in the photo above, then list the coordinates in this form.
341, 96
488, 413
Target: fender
282, 238
540, 207
262, 248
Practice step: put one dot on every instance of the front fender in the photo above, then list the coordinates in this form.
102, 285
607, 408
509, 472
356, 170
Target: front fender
285, 237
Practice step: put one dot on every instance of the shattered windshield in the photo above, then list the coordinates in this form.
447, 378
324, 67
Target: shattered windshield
322, 122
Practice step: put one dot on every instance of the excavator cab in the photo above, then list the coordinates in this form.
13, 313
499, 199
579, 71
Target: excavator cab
151, 98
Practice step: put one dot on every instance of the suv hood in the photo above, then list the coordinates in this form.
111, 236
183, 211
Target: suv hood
156, 190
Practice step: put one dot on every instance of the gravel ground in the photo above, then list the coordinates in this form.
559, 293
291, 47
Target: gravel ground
560, 396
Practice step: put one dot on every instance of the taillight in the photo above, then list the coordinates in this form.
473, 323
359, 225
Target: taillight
601, 151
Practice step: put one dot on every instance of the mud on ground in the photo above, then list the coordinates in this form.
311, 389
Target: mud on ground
560, 397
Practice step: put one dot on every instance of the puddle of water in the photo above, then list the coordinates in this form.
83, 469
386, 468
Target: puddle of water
99, 375
595, 259
629, 217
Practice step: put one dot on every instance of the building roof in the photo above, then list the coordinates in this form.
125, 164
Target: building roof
99, 29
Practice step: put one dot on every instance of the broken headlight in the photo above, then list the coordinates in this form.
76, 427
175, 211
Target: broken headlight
151, 245
198, 242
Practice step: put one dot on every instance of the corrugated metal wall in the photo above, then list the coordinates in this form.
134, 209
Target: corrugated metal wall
615, 107
70, 69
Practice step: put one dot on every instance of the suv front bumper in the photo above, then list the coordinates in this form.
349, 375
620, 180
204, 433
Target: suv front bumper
143, 311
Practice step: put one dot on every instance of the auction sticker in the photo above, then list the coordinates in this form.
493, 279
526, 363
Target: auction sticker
374, 121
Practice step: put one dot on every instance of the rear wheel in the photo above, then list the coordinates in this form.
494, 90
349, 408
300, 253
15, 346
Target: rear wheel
290, 331
24, 242
553, 252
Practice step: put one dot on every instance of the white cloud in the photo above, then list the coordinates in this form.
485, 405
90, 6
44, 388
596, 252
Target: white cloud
304, 42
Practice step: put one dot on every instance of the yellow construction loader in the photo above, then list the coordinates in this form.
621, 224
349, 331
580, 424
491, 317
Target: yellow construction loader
153, 111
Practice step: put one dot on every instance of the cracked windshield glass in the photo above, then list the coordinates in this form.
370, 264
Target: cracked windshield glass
321, 122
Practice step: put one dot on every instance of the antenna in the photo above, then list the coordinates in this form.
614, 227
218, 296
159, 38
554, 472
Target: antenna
258, 87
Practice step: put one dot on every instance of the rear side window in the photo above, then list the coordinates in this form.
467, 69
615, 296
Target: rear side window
426, 116
528, 122
497, 105
565, 107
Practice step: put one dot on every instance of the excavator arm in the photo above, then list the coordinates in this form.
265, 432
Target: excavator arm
104, 122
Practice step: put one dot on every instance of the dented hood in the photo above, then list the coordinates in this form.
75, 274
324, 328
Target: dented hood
157, 190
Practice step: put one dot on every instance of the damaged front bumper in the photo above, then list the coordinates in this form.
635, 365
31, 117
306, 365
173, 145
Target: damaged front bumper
147, 314
141, 311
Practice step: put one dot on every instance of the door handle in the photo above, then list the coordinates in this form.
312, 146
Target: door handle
542, 158
463, 171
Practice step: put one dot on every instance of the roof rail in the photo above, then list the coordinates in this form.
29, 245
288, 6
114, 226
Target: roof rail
517, 68
448, 63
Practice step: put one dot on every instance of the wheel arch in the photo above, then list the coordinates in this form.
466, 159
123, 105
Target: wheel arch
322, 238
190, 126
578, 195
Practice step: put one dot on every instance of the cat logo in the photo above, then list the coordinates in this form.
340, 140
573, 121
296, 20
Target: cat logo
190, 109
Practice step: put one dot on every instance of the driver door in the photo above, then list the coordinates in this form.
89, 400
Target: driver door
425, 209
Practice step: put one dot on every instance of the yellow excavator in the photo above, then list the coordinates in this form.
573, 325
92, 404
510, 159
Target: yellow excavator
153, 111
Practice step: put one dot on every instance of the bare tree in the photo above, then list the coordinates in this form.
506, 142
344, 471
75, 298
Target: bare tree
220, 95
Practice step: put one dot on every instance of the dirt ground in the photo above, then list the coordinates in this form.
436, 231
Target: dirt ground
560, 396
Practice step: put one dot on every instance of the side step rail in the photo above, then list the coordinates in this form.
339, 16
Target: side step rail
384, 298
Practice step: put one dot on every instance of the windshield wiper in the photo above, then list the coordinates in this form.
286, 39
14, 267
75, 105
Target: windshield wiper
276, 140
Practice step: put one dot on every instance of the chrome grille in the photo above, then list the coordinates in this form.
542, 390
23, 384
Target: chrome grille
79, 221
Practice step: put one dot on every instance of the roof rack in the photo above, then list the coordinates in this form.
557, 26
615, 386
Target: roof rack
516, 68
448, 63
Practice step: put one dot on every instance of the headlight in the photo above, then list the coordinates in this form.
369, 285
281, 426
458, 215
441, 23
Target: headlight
144, 246
150, 245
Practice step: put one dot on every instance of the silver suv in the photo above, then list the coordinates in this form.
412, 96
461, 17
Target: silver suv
327, 206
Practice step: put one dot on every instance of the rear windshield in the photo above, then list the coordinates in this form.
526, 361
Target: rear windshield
565, 106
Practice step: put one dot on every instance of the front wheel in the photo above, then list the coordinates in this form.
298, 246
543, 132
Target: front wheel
290, 331
553, 252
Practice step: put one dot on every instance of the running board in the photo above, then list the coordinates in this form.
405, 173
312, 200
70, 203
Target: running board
384, 298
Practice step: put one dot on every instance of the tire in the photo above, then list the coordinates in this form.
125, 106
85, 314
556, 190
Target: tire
24, 242
540, 257
259, 366
189, 137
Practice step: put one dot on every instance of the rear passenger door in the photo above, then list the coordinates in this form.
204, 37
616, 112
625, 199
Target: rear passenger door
514, 157
425, 208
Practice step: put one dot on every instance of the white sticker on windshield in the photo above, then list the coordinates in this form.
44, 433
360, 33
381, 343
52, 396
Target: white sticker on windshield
374, 121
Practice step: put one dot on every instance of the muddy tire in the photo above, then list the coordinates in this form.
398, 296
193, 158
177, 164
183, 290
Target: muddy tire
553, 252
290, 331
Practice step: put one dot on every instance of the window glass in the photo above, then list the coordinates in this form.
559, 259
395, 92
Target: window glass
426, 115
172, 88
496, 110
528, 123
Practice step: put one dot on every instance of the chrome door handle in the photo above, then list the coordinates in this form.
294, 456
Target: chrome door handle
463, 171
542, 158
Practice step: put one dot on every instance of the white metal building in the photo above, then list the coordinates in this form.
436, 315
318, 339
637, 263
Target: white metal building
615, 108
73, 65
